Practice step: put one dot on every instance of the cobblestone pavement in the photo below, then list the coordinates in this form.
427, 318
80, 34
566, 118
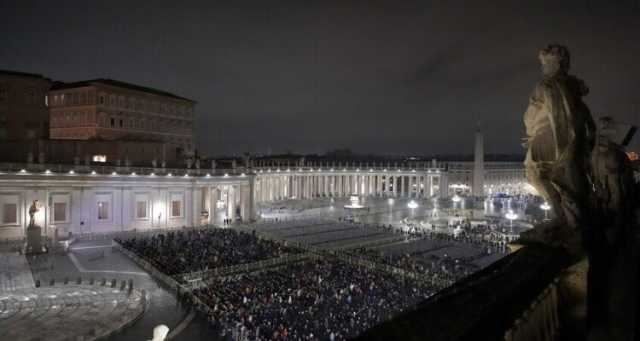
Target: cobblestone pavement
91, 260
14, 272
67, 312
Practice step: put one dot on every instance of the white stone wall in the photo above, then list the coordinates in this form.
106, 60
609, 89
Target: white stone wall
82, 195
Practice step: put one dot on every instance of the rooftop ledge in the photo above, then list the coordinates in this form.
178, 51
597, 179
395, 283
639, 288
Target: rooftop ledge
483, 306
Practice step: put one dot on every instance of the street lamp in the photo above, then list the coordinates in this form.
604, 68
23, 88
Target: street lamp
412, 204
546, 207
456, 199
511, 216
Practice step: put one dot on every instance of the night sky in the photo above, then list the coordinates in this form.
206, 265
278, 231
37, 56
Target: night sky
396, 77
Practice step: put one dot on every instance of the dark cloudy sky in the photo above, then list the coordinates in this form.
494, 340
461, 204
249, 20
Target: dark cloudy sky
394, 77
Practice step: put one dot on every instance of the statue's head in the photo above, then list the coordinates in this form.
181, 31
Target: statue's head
555, 59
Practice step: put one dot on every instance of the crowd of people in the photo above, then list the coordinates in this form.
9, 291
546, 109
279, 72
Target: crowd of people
324, 298
316, 300
203, 249
441, 270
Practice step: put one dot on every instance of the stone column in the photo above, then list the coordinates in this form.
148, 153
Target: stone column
394, 187
294, 185
444, 186
402, 186
414, 188
307, 187
231, 203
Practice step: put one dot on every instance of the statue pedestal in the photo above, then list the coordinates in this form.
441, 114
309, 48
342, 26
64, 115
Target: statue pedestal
34, 243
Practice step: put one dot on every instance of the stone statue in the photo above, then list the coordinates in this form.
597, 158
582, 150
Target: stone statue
560, 137
611, 241
34, 243
588, 179
247, 161
33, 209
160, 333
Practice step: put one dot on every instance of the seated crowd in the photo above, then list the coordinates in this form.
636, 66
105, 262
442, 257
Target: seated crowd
315, 300
200, 250
441, 270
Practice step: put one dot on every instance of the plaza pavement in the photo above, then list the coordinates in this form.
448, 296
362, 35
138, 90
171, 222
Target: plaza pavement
93, 260
67, 312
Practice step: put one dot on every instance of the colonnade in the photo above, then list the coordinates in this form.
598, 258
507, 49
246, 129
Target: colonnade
273, 186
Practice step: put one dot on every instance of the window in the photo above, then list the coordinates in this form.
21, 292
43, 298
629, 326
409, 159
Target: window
101, 99
103, 210
176, 208
141, 209
120, 123
99, 158
59, 211
10, 213
113, 122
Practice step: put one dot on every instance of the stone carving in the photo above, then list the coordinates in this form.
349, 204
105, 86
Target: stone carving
33, 209
34, 232
247, 161
611, 241
560, 136
589, 181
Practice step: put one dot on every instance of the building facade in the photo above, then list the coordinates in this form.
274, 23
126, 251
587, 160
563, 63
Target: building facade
81, 199
85, 201
23, 108
106, 109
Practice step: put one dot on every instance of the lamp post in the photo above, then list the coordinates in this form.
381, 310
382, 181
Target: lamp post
456, 199
435, 208
546, 207
511, 216
412, 205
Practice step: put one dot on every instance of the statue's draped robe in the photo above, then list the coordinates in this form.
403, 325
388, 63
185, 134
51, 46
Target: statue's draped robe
560, 133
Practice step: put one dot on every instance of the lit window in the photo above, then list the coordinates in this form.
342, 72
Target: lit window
103, 210
99, 158
10, 213
59, 211
176, 208
141, 209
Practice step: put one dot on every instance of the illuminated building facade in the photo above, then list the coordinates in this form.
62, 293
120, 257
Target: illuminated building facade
106, 109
